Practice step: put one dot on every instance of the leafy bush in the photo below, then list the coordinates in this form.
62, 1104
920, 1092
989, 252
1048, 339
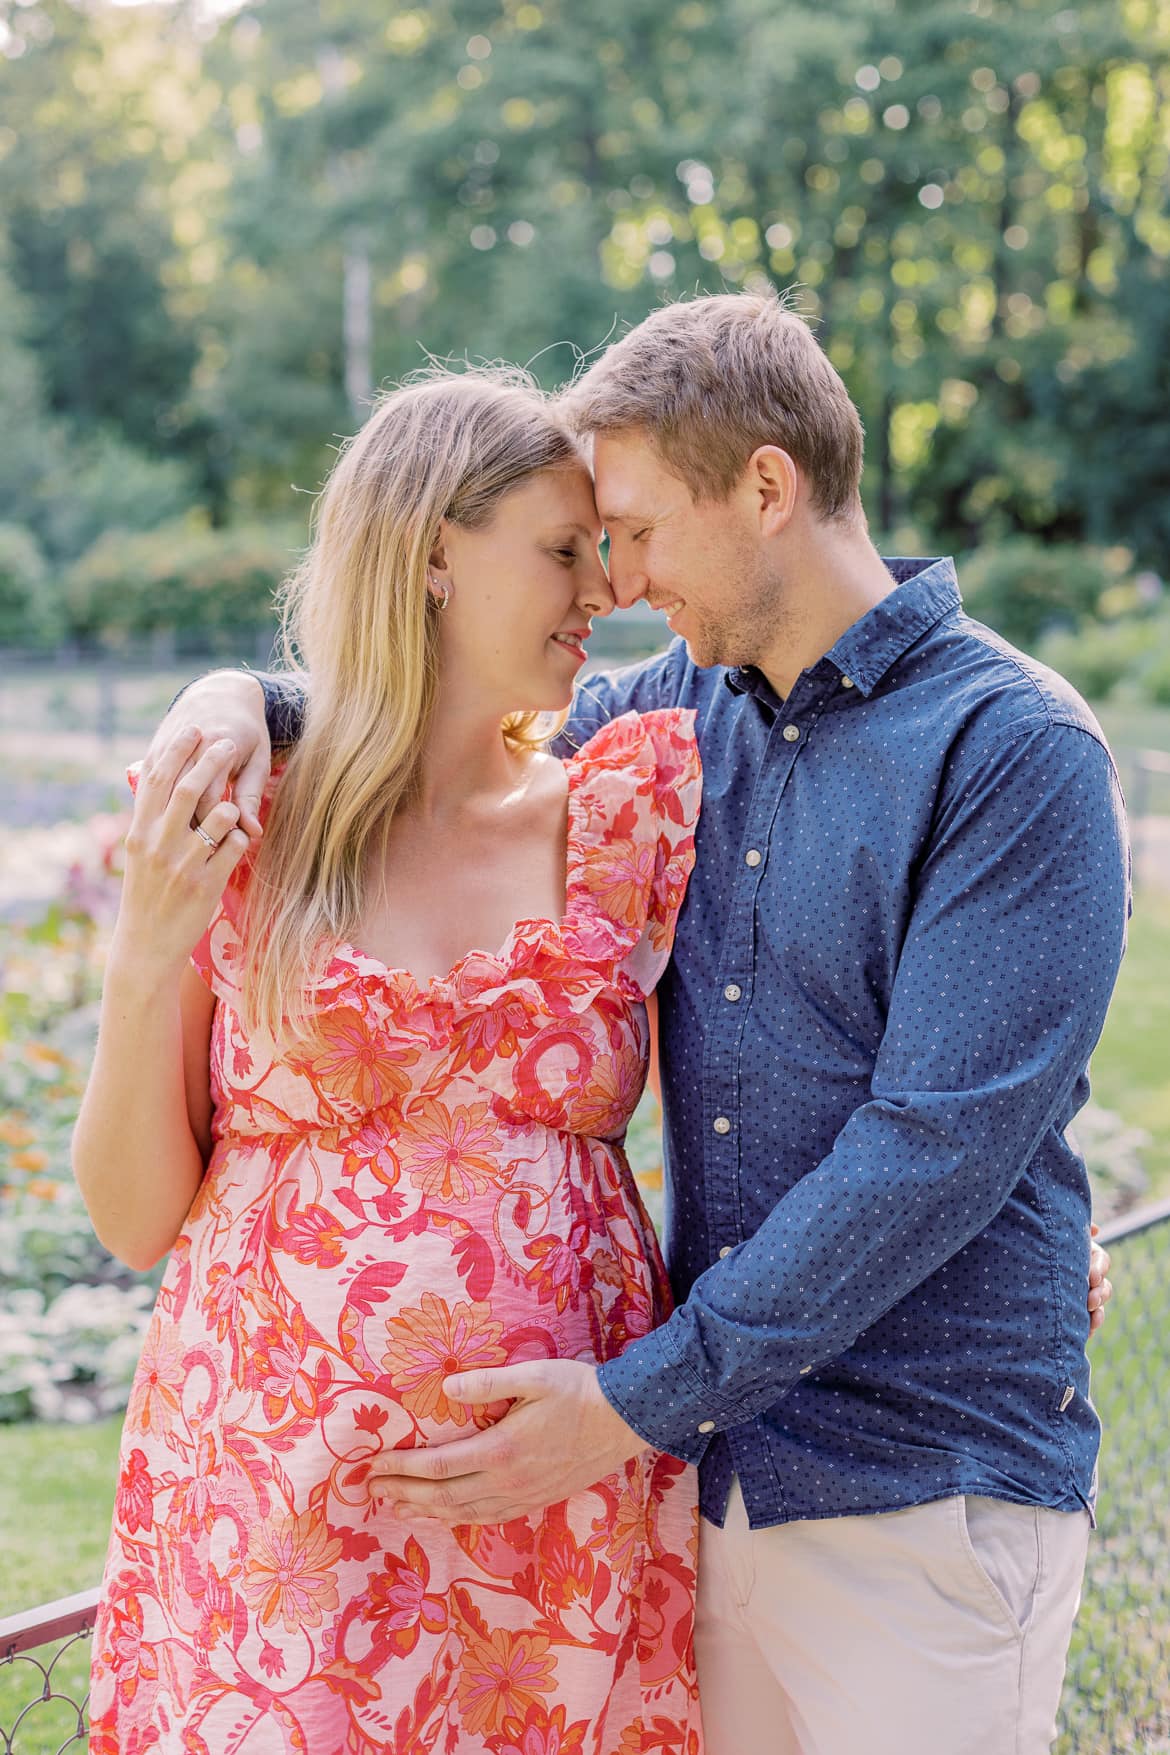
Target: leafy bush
1023, 588
100, 482
73, 1359
1153, 677
178, 578
30, 608
1101, 655
72, 1318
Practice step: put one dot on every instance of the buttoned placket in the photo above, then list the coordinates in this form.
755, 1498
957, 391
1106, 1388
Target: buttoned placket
791, 724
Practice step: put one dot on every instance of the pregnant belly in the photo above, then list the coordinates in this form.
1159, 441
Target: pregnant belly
339, 1302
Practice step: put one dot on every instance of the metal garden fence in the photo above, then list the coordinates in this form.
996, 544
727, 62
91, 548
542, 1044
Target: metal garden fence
1117, 1692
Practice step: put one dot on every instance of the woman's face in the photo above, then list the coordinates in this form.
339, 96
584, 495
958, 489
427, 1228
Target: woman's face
523, 594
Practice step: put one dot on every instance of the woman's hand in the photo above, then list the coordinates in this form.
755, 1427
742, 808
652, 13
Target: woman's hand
1100, 1285
177, 863
230, 704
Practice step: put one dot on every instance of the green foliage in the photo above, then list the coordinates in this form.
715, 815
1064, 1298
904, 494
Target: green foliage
1022, 588
219, 238
210, 583
30, 610
100, 483
1153, 679
1099, 656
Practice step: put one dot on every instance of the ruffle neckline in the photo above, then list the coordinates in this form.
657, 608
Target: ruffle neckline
578, 954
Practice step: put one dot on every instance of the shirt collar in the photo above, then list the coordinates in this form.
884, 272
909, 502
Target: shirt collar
927, 590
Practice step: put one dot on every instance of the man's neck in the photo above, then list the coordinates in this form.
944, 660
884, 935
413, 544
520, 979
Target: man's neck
841, 577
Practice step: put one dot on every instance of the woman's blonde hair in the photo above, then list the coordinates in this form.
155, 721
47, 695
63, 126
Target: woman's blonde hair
360, 629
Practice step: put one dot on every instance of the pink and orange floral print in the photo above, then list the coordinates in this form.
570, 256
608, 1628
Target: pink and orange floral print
438, 1185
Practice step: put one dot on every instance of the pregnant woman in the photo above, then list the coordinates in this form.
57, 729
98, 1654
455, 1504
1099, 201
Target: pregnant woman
367, 1079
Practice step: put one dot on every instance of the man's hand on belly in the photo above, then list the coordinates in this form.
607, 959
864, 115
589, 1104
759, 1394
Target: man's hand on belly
559, 1436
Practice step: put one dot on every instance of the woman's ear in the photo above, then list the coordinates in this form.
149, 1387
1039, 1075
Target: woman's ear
437, 559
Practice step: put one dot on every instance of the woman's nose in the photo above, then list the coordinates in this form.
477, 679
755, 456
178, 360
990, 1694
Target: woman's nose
596, 596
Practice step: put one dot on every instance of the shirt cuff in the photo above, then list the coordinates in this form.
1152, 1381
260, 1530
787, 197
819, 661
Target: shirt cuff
657, 1394
284, 709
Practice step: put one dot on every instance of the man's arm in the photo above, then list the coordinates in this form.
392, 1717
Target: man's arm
1003, 982
260, 712
659, 681
255, 712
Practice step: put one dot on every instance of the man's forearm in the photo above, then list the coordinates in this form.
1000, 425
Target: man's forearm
284, 702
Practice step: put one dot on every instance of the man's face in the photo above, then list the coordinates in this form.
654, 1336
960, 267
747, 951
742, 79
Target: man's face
703, 563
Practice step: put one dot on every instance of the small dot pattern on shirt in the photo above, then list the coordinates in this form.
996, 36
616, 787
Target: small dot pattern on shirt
874, 1036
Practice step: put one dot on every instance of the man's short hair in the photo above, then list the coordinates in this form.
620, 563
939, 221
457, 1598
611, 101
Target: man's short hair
712, 379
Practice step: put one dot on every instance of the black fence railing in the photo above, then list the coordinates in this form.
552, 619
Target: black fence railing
1117, 1692
44, 1677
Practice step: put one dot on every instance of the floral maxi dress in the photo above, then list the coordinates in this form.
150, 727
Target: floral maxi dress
438, 1185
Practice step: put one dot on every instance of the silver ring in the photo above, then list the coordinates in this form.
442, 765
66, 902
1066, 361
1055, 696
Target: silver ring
204, 836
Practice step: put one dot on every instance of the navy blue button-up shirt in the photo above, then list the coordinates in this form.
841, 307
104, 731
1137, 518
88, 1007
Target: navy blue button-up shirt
894, 959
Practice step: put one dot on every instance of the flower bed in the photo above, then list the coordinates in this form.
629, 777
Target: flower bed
72, 1319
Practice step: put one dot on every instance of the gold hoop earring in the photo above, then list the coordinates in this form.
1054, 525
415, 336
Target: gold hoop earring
441, 594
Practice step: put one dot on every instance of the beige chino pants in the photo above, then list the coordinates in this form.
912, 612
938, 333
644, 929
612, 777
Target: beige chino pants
940, 1630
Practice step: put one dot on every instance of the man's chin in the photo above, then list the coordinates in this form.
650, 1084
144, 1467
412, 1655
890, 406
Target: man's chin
701, 653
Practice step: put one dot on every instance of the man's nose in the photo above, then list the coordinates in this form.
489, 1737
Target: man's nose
627, 583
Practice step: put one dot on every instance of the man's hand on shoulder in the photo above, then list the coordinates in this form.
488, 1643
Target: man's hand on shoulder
228, 703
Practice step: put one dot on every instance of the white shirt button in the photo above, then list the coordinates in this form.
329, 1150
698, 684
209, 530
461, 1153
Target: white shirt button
733, 991
725, 1251
1067, 1397
791, 733
721, 1124
706, 1426
753, 856
804, 1370
847, 682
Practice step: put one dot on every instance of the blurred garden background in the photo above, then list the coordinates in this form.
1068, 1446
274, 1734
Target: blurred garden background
222, 226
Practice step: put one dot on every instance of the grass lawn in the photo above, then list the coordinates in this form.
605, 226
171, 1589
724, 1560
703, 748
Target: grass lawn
55, 1509
54, 1522
1130, 1073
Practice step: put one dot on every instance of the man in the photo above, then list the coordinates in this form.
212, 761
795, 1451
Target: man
895, 958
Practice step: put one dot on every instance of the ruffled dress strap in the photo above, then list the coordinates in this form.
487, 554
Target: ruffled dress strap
635, 790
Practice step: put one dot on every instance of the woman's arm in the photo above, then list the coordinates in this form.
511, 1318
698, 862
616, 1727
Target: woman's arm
143, 1135
144, 1130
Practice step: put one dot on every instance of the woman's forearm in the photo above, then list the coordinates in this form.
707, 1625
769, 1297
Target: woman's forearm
136, 1156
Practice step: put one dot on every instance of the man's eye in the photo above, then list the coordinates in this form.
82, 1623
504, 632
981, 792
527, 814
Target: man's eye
638, 535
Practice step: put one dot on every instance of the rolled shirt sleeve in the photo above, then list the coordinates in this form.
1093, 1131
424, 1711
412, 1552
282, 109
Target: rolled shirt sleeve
1011, 949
